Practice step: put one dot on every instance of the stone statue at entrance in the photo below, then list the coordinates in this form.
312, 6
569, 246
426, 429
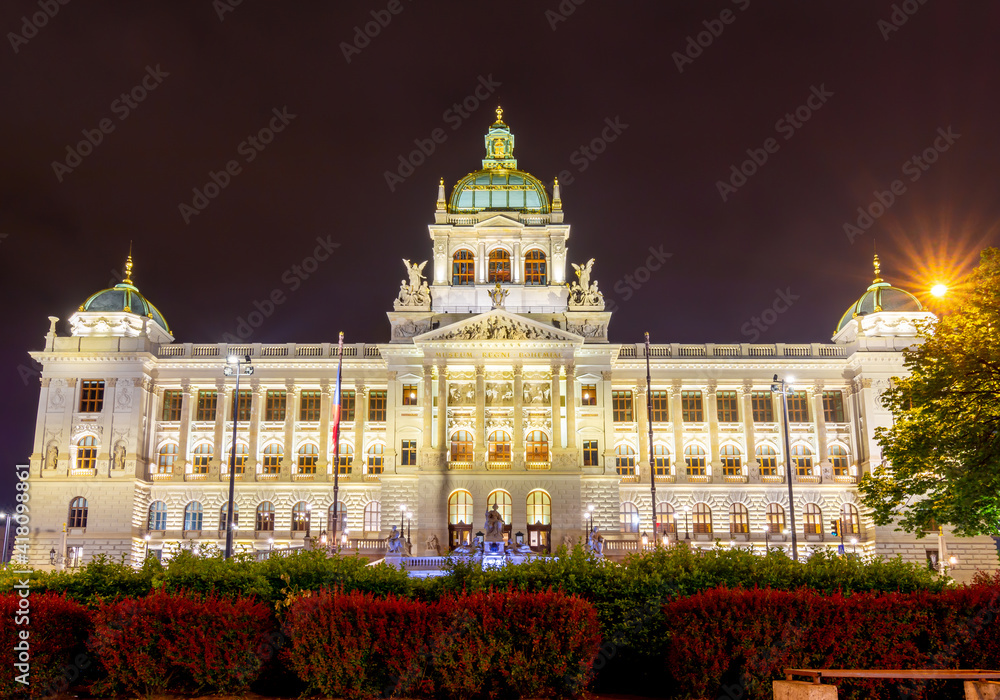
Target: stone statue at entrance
596, 542
395, 542
494, 522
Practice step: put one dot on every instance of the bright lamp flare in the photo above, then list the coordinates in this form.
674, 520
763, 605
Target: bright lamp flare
939, 290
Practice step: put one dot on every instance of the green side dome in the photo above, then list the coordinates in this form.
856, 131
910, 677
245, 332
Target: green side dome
880, 296
124, 297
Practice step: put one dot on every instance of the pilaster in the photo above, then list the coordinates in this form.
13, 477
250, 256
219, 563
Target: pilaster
677, 415
555, 396
479, 450
642, 467
254, 431
325, 413
819, 423
517, 440
183, 446
571, 397
712, 409
360, 418
748, 429
222, 399
440, 442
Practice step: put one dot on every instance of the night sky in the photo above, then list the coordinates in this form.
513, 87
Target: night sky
642, 109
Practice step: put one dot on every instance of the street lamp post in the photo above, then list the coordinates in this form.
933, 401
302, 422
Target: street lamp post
780, 386
687, 530
145, 553
767, 543
409, 518
649, 422
590, 509
6, 529
234, 368
309, 511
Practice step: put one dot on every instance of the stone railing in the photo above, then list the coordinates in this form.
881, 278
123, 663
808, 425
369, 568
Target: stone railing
460, 466
261, 351
734, 350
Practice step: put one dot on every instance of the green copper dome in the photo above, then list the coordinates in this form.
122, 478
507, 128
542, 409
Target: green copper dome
880, 296
124, 297
499, 186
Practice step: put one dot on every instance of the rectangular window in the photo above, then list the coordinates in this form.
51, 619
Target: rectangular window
172, 405
727, 405
274, 406
763, 407
244, 402
376, 406
409, 394
590, 453
588, 395
91, 395
621, 403
660, 404
208, 401
691, 407
798, 407
833, 406
347, 406
408, 453
309, 405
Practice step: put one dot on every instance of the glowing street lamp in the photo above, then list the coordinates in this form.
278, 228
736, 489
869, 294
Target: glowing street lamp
234, 368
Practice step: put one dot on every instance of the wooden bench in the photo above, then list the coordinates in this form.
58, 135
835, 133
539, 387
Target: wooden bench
979, 684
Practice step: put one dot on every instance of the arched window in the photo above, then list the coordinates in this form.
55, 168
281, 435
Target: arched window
536, 447
499, 446
768, 460
502, 500
625, 460
838, 458
308, 457
461, 446
629, 517
666, 521
694, 461
346, 457
193, 516
539, 508
224, 514
77, 512
463, 268
661, 460
165, 458
499, 266
376, 453
272, 459
732, 461
775, 519
814, 520
701, 519
202, 457
86, 453
373, 516
460, 508
739, 519
851, 519
301, 516
157, 516
802, 460
265, 517
535, 272
341, 521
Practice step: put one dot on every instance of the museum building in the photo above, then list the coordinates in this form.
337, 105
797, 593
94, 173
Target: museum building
499, 386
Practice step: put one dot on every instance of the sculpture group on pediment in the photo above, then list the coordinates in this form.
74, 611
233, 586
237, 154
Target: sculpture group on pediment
583, 292
414, 292
499, 328
588, 330
408, 328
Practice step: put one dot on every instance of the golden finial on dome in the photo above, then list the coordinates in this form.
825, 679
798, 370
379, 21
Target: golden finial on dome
878, 270
499, 114
128, 265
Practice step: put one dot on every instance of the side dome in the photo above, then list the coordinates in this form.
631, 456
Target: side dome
124, 297
880, 296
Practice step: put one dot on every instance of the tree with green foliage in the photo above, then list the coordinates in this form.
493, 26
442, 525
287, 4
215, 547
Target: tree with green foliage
942, 453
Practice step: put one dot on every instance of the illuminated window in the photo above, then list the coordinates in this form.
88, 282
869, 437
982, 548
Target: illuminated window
775, 518
833, 406
768, 460
534, 268
408, 453
625, 460
590, 456
666, 521
621, 406
241, 458
347, 406
272, 459
851, 519
265, 517
499, 266
193, 516
274, 406
77, 512
244, 404
460, 508
814, 520
588, 395
208, 402
701, 519
376, 454
409, 394
660, 405
337, 522
739, 519
502, 500
691, 407
301, 515
308, 458
536, 446
373, 517
224, 514
86, 453
91, 396
694, 460
202, 458
310, 403
539, 508
165, 458
172, 401
463, 268
732, 461
346, 457
802, 460
727, 406
798, 407
661, 461
461, 446
838, 457
628, 517
499, 446
376, 406
763, 407
157, 516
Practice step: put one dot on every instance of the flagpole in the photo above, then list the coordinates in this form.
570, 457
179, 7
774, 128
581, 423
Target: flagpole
336, 439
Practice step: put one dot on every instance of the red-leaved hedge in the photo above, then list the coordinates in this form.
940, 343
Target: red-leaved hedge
56, 629
180, 642
735, 642
483, 645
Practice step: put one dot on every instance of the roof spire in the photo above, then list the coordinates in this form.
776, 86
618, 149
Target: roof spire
499, 114
441, 203
128, 265
878, 270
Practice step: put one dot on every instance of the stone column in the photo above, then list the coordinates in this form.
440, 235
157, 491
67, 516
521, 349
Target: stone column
517, 440
441, 443
748, 430
677, 423
325, 414
479, 450
254, 436
516, 264
712, 411
360, 416
819, 424
607, 411
106, 422
642, 468
391, 405
482, 263
555, 395
183, 448
571, 407
40, 448
220, 456
427, 403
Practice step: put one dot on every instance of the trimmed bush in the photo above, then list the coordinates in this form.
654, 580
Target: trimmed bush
180, 642
495, 645
56, 629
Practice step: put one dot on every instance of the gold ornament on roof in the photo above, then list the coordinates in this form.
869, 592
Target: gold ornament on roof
128, 267
878, 270
499, 114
